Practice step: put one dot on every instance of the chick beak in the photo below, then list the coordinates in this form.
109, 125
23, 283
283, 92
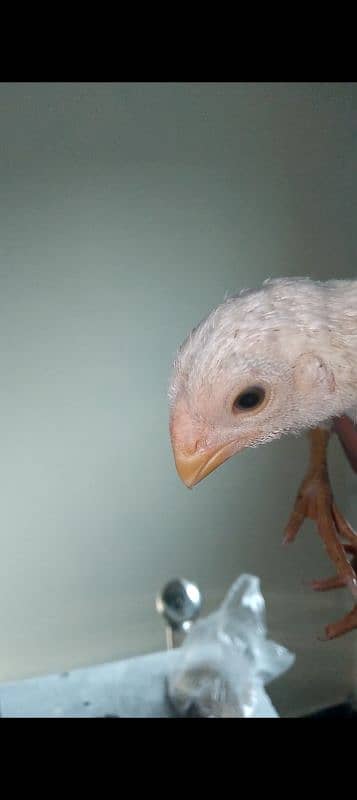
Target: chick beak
194, 457
193, 467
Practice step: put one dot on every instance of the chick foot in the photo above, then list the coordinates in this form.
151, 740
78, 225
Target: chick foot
315, 501
344, 625
335, 581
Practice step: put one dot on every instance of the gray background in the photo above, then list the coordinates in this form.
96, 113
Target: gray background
127, 211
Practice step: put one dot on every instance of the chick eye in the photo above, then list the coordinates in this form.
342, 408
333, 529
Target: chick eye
251, 398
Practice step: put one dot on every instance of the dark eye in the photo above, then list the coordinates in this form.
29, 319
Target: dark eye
251, 398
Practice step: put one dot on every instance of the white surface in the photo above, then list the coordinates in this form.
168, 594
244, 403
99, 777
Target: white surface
133, 688
126, 212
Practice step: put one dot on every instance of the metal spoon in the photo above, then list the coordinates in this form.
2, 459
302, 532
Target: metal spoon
179, 603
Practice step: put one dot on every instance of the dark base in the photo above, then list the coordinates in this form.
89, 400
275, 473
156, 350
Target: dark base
343, 711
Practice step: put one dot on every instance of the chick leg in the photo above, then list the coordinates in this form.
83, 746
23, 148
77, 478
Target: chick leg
315, 500
336, 581
344, 625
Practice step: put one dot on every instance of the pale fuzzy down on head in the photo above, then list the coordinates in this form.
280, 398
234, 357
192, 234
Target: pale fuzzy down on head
294, 336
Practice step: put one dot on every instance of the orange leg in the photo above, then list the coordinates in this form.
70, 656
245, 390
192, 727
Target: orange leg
336, 581
315, 500
345, 625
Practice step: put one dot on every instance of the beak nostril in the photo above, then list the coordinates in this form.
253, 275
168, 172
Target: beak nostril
186, 433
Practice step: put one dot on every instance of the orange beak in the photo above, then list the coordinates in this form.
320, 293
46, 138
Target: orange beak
193, 467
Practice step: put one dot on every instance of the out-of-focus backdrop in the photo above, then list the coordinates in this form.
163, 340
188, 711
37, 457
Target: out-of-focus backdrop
128, 210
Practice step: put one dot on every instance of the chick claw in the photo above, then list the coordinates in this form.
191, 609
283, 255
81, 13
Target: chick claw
315, 501
343, 625
336, 581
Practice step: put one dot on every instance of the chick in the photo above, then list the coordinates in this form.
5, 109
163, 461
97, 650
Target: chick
281, 359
